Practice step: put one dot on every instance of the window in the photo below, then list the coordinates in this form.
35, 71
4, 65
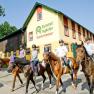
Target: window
30, 36
73, 30
79, 32
39, 13
88, 34
66, 31
83, 32
93, 37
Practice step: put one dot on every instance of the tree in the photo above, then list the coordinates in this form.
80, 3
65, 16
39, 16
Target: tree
6, 29
2, 11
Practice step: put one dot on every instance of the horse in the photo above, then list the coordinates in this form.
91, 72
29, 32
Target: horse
87, 64
16, 69
29, 74
58, 70
20, 67
4, 61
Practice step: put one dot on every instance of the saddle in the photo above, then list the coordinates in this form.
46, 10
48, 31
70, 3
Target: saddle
19, 62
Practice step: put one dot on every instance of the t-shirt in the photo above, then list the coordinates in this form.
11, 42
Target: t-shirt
34, 54
61, 51
12, 58
22, 53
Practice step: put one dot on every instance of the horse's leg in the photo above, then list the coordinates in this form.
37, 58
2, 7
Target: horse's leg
32, 80
20, 79
57, 84
44, 78
88, 80
74, 78
27, 84
49, 75
13, 85
61, 83
50, 81
91, 85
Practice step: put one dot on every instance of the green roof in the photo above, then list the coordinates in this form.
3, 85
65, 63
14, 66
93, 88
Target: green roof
59, 12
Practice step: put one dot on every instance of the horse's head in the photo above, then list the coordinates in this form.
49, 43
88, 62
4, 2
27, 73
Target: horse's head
46, 56
80, 53
27, 70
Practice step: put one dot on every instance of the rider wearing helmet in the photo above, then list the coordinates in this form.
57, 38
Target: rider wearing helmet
35, 61
22, 54
61, 52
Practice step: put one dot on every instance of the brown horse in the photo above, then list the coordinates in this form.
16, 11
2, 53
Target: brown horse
29, 74
4, 61
19, 67
59, 70
87, 66
15, 70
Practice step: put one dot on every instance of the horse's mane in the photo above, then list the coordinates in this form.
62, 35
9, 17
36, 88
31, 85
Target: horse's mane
53, 56
86, 52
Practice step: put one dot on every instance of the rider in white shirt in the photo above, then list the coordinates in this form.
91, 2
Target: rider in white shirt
89, 45
61, 52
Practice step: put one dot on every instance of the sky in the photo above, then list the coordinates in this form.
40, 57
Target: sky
17, 11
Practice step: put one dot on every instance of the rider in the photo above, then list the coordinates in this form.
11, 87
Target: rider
12, 60
89, 45
35, 61
61, 52
22, 54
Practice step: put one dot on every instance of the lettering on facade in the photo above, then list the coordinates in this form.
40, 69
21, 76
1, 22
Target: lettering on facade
44, 30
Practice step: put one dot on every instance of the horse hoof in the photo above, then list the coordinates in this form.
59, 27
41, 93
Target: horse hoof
37, 91
12, 90
50, 86
74, 86
42, 86
22, 85
56, 92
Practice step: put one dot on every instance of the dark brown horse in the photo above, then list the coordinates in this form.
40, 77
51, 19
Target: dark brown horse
19, 67
59, 70
87, 65
29, 74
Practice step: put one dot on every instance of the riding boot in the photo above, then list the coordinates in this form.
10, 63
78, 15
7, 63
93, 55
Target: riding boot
36, 71
68, 64
38, 67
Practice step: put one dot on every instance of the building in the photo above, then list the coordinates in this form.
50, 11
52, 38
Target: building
46, 26
12, 42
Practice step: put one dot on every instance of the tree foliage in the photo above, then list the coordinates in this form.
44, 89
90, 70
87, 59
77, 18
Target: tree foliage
2, 11
6, 29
